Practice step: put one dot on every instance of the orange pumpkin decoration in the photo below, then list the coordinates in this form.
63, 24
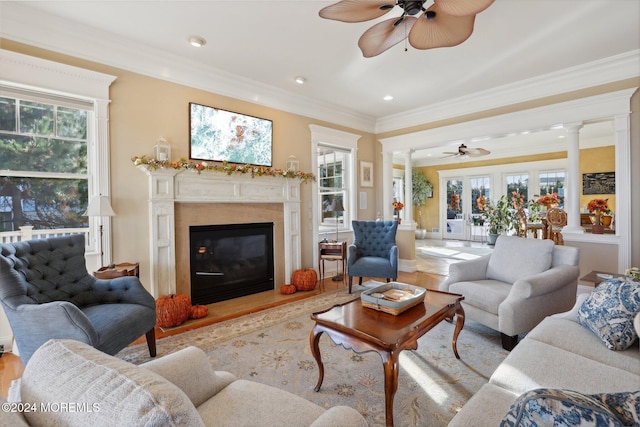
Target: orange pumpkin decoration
198, 311
288, 289
172, 310
304, 280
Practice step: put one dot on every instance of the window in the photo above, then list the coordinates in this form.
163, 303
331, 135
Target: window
334, 168
43, 167
518, 187
552, 182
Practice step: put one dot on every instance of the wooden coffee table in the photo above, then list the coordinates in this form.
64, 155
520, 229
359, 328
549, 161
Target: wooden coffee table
364, 329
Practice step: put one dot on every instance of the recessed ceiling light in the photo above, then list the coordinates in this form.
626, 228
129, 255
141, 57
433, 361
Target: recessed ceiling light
300, 80
388, 97
197, 41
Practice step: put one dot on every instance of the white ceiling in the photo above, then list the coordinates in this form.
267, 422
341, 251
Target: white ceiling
255, 49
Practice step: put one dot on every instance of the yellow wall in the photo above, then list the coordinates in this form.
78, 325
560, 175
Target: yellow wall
143, 108
601, 159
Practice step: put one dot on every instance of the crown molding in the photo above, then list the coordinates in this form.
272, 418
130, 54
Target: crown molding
31, 26
608, 70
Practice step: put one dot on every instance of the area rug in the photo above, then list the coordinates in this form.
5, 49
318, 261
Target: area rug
272, 347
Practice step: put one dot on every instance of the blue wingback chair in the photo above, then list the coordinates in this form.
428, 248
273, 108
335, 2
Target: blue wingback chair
46, 292
374, 252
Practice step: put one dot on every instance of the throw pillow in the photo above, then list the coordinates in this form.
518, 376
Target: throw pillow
609, 311
548, 407
626, 406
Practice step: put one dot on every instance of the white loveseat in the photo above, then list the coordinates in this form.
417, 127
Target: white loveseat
516, 286
559, 354
81, 386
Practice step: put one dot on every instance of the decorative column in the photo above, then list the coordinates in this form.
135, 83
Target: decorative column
408, 189
387, 184
572, 193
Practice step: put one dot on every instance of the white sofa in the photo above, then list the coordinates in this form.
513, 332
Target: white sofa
558, 354
81, 386
516, 286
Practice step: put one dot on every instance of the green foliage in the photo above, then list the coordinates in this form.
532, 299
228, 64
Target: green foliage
46, 187
499, 216
421, 188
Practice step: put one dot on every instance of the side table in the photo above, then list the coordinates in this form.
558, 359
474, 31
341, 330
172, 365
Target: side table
332, 251
118, 270
595, 279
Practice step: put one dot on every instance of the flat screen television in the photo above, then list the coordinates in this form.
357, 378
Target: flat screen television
220, 135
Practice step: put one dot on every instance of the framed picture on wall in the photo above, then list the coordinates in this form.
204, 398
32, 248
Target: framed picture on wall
366, 174
599, 183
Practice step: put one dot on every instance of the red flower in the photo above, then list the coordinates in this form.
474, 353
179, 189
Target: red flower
598, 204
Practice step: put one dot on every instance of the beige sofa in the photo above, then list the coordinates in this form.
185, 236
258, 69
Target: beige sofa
559, 353
68, 383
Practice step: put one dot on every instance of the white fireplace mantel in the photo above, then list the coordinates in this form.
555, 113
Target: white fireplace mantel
169, 186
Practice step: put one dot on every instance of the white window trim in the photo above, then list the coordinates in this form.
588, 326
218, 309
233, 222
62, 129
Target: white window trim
339, 139
31, 73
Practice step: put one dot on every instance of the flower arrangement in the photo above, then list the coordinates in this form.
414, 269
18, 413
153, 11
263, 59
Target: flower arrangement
600, 205
481, 203
224, 167
549, 199
397, 206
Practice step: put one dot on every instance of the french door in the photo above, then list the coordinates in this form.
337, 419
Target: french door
454, 226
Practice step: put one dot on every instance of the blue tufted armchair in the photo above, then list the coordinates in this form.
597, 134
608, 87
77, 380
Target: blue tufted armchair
46, 292
374, 252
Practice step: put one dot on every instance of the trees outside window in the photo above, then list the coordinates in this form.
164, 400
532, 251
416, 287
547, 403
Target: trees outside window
43, 166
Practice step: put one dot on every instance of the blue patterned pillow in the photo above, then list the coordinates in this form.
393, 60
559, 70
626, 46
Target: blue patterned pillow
609, 311
547, 407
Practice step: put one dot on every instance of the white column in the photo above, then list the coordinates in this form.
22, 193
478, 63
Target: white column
387, 185
408, 189
572, 186
622, 210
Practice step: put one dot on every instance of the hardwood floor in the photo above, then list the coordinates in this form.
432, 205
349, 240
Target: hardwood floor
11, 366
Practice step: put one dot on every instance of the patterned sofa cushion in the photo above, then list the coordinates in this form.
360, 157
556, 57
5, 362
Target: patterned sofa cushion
542, 407
609, 311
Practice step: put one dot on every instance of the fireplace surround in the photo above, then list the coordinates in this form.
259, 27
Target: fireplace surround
179, 198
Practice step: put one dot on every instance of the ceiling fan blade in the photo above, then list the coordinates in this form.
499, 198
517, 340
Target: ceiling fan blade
476, 152
357, 10
384, 35
463, 7
441, 31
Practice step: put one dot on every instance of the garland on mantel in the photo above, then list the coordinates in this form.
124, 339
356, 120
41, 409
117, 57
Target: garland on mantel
225, 167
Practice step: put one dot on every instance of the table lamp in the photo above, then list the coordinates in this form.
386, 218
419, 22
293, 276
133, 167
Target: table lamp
100, 206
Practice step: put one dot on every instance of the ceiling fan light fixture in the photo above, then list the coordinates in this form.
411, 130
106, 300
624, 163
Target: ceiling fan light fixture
429, 15
197, 41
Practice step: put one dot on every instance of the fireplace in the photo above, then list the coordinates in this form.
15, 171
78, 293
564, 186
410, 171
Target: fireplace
230, 260
181, 199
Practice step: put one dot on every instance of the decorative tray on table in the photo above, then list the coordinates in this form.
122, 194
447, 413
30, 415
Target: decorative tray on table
393, 297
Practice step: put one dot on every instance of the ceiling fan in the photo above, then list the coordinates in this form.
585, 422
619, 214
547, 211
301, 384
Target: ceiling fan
445, 23
463, 150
